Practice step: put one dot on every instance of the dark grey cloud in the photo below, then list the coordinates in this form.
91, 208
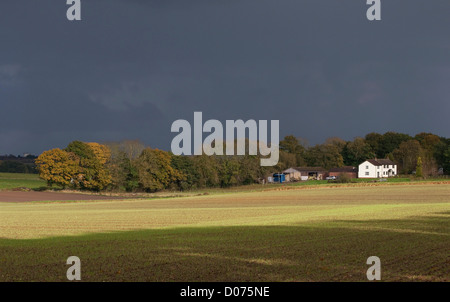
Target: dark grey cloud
130, 68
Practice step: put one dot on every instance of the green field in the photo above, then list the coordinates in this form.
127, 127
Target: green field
321, 233
20, 180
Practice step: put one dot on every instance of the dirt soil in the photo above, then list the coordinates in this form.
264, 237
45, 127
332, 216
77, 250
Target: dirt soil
11, 196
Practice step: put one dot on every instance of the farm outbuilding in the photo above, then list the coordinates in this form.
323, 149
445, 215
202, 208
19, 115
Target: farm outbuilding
304, 173
292, 174
349, 171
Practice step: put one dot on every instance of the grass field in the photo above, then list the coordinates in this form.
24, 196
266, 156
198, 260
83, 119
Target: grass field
18, 180
302, 234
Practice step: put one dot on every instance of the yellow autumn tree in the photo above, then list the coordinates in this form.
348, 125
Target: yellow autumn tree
57, 167
102, 152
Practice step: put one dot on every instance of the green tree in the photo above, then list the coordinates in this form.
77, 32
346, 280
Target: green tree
419, 167
121, 165
155, 170
375, 141
285, 161
82, 150
207, 168
185, 165
390, 142
229, 171
428, 142
442, 154
124, 175
384, 144
356, 152
326, 156
290, 144
92, 173
250, 169
406, 155
338, 142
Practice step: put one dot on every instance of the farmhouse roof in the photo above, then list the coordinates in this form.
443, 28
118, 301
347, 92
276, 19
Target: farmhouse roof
381, 162
309, 169
344, 169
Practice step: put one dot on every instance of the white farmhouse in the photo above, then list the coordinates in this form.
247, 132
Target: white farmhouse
377, 168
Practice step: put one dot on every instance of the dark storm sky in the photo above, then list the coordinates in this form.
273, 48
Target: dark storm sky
130, 68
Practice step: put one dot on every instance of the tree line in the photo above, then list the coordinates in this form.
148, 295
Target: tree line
17, 164
405, 150
131, 166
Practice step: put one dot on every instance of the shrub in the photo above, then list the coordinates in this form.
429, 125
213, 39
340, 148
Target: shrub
342, 178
